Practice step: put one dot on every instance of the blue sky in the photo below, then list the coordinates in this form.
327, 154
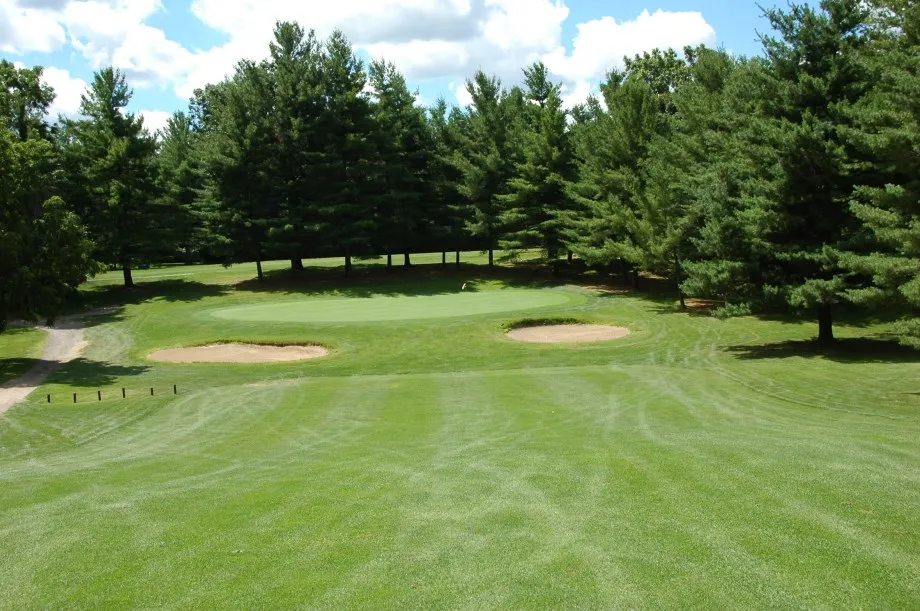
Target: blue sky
169, 47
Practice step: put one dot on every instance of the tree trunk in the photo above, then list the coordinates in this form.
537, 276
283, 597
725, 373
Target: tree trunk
347, 261
570, 256
678, 278
389, 261
491, 258
259, 270
443, 259
625, 272
825, 324
296, 263
129, 279
458, 260
406, 260
636, 279
555, 267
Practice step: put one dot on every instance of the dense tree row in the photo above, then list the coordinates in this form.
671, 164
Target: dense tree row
787, 181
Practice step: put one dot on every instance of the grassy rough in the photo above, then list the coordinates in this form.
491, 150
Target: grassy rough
20, 350
430, 464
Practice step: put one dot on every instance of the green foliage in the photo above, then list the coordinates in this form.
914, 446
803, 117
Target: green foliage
886, 129
536, 210
110, 164
403, 165
44, 249
484, 156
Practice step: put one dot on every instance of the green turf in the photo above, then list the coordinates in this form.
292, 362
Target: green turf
380, 308
431, 463
20, 350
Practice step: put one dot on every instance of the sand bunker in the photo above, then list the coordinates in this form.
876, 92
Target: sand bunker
567, 334
239, 353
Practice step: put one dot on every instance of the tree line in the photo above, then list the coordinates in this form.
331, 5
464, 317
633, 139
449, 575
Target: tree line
787, 181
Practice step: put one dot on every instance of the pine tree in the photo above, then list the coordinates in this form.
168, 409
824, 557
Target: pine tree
886, 130
534, 212
402, 176
296, 82
609, 148
180, 185
484, 159
111, 164
345, 127
676, 169
238, 156
450, 210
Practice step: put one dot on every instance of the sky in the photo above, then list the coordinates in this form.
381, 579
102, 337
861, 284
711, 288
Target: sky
167, 48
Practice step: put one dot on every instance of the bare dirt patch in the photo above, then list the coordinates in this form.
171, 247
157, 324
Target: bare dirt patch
65, 343
567, 334
239, 353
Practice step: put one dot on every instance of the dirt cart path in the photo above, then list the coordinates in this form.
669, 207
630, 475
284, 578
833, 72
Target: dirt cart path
65, 343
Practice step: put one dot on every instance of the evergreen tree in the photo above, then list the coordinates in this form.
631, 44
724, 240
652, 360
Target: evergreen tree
484, 159
815, 63
345, 126
112, 180
404, 149
239, 157
181, 184
676, 171
610, 147
450, 210
296, 58
886, 130
534, 211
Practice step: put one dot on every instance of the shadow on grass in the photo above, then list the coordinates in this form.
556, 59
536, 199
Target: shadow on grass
81, 373
100, 305
850, 350
417, 280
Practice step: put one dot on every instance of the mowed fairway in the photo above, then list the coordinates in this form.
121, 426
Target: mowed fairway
429, 462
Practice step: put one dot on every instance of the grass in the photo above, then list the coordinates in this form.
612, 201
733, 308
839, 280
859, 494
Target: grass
430, 463
20, 350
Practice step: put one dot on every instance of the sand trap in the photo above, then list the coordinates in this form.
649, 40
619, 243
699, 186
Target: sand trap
567, 334
239, 353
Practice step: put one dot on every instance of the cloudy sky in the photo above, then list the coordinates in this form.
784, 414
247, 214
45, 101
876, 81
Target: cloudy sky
169, 47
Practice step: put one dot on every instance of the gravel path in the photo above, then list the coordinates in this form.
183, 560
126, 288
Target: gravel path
65, 343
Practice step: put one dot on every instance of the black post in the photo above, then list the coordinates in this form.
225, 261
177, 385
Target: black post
123, 392
49, 398
175, 390
75, 397
151, 392
99, 394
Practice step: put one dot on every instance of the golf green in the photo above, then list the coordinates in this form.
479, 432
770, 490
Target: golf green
400, 308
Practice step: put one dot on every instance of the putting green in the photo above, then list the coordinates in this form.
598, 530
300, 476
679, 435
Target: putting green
400, 308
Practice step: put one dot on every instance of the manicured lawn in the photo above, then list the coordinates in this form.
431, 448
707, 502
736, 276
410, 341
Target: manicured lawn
380, 308
20, 349
430, 462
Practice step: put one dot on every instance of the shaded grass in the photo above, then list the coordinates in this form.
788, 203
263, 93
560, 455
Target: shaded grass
20, 350
430, 464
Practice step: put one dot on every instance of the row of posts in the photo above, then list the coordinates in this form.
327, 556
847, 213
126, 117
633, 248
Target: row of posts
124, 394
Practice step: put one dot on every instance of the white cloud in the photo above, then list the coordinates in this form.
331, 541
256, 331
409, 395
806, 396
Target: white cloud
104, 32
464, 98
426, 39
67, 90
154, 120
25, 29
601, 44
576, 93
